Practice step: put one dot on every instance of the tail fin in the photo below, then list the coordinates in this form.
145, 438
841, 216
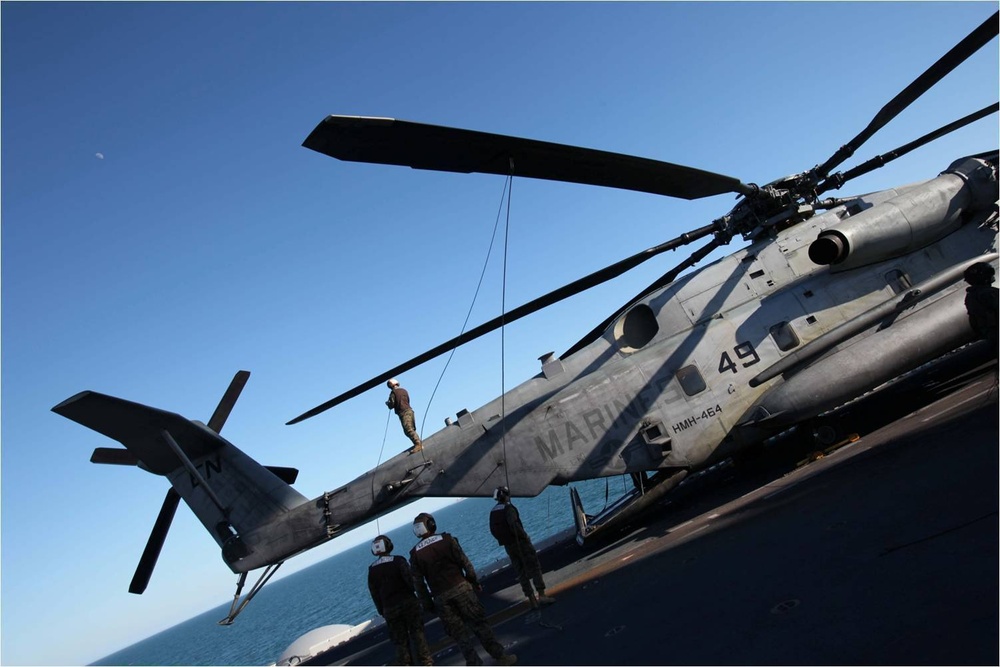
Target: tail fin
229, 492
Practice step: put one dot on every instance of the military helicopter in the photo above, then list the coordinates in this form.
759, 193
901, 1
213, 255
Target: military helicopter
832, 297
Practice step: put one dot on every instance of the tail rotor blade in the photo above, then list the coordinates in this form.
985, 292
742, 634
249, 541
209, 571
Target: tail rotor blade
155, 543
225, 406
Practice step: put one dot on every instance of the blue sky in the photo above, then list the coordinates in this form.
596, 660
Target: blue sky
162, 228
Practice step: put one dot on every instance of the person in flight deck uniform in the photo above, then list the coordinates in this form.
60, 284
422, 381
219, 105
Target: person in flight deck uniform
391, 586
399, 400
506, 526
981, 302
440, 565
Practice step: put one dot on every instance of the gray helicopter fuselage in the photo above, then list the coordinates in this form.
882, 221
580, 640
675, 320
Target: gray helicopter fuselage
667, 386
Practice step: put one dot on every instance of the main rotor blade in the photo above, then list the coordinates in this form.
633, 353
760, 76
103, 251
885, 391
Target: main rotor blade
949, 61
838, 179
421, 146
156, 538
225, 406
552, 297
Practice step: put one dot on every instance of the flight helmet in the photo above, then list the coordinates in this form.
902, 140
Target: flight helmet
381, 546
424, 525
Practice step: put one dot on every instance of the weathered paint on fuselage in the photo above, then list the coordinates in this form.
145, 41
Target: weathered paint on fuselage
619, 405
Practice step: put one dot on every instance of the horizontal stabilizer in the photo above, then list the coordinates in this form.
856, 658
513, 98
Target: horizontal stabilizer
123, 457
138, 427
114, 456
286, 475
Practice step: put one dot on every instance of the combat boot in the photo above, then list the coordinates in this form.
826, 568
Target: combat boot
544, 600
507, 659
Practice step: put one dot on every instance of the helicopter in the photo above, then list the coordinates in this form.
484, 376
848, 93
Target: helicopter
831, 297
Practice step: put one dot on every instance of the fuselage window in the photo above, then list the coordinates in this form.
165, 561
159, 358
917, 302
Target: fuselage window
784, 336
691, 380
637, 328
898, 281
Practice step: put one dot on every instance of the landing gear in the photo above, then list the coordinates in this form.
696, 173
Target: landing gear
237, 606
640, 480
647, 491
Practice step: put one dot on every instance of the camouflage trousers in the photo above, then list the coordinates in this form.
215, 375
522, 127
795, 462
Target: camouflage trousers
409, 426
524, 560
461, 612
406, 625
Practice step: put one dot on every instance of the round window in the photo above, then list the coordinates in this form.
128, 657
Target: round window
636, 328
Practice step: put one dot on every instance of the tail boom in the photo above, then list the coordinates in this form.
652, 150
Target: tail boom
233, 496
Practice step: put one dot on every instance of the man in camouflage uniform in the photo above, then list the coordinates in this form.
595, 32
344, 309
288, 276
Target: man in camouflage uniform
391, 586
439, 564
399, 400
506, 526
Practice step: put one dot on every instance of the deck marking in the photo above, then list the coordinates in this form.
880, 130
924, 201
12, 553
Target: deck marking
681, 525
614, 631
950, 408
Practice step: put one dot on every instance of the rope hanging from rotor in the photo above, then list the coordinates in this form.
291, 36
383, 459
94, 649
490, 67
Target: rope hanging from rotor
378, 530
489, 253
507, 192
503, 328
468, 315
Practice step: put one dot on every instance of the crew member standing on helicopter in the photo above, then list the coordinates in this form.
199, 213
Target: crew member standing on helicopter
506, 526
982, 301
440, 565
391, 586
399, 400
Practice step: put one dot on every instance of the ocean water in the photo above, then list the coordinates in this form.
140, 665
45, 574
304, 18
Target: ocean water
335, 590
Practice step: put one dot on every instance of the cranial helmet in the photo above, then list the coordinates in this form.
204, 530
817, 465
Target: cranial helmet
501, 494
424, 525
392, 383
381, 546
979, 273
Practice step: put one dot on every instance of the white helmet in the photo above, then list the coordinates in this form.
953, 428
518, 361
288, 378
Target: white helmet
381, 546
424, 525
392, 383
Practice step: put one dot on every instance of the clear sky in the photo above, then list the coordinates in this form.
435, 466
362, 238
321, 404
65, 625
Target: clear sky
162, 228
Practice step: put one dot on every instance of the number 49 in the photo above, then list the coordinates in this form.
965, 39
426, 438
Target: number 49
742, 350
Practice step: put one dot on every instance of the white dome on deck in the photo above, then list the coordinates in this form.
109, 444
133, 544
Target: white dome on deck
321, 639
